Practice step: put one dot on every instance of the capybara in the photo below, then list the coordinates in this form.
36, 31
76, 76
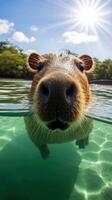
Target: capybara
59, 94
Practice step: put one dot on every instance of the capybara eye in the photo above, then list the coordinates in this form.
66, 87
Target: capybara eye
80, 66
40, 66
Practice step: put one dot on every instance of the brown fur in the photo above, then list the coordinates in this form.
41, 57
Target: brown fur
56, 68
59, 72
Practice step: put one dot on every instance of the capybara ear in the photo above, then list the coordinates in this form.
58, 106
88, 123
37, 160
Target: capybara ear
88, 62
34, 60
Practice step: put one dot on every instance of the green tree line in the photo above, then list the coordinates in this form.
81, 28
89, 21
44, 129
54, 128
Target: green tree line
13, 64
12, 61
102, 70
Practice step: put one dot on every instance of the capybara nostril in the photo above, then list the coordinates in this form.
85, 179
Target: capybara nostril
51, 89
70, 93
44, 92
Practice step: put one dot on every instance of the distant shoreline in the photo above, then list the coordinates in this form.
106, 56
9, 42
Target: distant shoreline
100, 82
17, 79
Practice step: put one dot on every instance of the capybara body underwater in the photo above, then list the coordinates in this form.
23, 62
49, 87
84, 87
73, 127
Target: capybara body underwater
59, 94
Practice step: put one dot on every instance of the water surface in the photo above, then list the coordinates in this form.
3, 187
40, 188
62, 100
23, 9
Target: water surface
14, 98
69, 173
101, 105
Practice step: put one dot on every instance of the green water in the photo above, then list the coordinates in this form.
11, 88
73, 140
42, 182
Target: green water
68, 174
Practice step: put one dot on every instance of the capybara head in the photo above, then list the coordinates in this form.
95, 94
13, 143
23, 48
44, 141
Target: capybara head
60, 90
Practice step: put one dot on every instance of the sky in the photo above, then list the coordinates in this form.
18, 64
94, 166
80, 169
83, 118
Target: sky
44, 26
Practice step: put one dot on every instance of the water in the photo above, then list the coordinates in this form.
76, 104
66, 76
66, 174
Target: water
101, 105
69, 173
14, 99
14, 96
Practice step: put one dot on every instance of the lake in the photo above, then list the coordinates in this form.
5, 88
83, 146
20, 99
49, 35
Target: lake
69, 173
14, 98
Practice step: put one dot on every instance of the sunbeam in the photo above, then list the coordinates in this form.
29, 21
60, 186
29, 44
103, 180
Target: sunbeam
84, 15
90, 14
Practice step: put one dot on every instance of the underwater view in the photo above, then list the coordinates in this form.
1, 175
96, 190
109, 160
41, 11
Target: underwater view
69, 173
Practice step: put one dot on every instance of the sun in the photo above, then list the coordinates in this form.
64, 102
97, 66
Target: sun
84, 15
89, 14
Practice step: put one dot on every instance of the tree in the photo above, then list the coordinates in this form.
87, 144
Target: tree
12, 61
13, 64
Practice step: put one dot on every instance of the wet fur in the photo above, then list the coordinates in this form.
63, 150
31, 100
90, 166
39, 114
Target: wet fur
63, 67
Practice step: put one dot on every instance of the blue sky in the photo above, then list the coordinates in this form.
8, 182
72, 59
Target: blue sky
50, 26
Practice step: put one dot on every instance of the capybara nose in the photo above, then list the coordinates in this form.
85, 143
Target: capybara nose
57, 91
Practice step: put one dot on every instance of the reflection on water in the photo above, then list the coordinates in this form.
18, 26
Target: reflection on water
14, 98
101, 105
14, 95
68, 174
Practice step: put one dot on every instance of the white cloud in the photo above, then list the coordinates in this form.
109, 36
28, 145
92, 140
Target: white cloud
74, 37
28, 51
34, 28
5, 26
21, 37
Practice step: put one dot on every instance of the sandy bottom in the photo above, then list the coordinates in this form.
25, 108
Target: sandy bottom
68, 174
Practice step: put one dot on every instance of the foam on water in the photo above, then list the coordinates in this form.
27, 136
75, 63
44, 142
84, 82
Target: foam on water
68, 174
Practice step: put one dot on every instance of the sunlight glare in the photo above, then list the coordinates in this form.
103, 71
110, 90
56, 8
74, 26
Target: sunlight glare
89, 14
85, 15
